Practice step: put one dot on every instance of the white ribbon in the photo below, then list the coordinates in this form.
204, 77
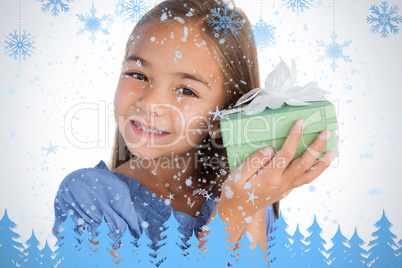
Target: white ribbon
279, 89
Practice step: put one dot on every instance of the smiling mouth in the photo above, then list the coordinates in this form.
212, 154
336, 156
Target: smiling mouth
141, 128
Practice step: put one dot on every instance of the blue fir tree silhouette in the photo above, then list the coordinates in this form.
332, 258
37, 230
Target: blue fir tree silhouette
279, 253
86, 250
259, 257
314, 256
338, 252
172, 249
297, 249
218, 251
31, 253
144, 253
126, 250
193, 252
46, 254
245, 251
382, 254
103, 256
399, 252
357, 254
10, 250
67, 252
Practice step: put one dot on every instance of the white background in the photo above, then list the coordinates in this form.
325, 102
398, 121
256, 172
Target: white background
67, 70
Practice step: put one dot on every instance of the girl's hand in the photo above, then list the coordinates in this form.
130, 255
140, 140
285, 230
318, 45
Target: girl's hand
265, 177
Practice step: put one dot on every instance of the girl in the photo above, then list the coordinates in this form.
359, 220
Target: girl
179, 69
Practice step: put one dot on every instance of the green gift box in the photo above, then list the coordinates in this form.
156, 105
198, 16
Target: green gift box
243, 135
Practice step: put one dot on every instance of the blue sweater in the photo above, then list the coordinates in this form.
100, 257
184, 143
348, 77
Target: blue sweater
89, 194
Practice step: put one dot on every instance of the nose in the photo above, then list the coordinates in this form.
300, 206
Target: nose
151, 100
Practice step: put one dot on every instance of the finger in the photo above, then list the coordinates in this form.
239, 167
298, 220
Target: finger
286, 153
314, 171
309, 157
252, 164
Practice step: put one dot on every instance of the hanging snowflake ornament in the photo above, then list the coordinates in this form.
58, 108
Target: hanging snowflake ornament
55, 5
92, 24
384, 19
224, 20
20, 45
297, 5
264, 34
334, 51
132, 9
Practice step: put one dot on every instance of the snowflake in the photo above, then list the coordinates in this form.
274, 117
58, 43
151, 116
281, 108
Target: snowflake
92, 23
133, 9
20, 45
247, 185
225, 21
228, 193
334, 51
367, 156
384, 20
145, 224
264, 34
55, 6
205, 228
249, 236
188, 182
251, 197
217, 113
297, 5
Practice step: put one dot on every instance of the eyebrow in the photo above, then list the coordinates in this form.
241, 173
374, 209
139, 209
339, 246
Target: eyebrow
182, 75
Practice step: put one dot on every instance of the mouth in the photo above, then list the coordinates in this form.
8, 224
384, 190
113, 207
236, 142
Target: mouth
141, 130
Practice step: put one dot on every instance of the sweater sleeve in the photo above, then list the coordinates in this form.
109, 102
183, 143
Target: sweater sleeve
91, 195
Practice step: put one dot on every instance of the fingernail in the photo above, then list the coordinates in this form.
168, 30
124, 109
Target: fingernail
267, 151
332, 156
302, 124
327, 135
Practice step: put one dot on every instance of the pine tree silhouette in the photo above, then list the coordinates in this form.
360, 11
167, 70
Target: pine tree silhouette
245, 257
144, 253
126, 250
103, 256
193, 252
399, 253
67, 252
46, 254
356, 254
86, 250
278, 252
382, 254
218, 251
172, 249
338, 252
10, 250
314, 256
259, 257
32, 256
297, 249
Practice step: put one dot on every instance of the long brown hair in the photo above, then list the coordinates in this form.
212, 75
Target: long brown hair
237, 57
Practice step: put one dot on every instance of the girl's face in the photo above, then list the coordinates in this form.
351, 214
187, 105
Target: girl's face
171, 82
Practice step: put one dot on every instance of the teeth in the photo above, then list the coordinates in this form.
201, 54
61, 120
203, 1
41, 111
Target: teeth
148, 130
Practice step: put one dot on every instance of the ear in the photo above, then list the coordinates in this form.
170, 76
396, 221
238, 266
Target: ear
216, 130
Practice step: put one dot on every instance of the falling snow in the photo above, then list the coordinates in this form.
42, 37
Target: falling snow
55, 5
225, 21
92, 24
228, 193
297, 5
132, 9
145, 224
334, 51
20, 45
217, 113
384, 19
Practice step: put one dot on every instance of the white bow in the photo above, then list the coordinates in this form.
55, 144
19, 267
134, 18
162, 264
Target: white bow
279, 89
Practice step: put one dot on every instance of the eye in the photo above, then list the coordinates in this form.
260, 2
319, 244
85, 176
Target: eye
186, 91
139, 76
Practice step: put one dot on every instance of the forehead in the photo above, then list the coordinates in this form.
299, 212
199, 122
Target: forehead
178, 45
